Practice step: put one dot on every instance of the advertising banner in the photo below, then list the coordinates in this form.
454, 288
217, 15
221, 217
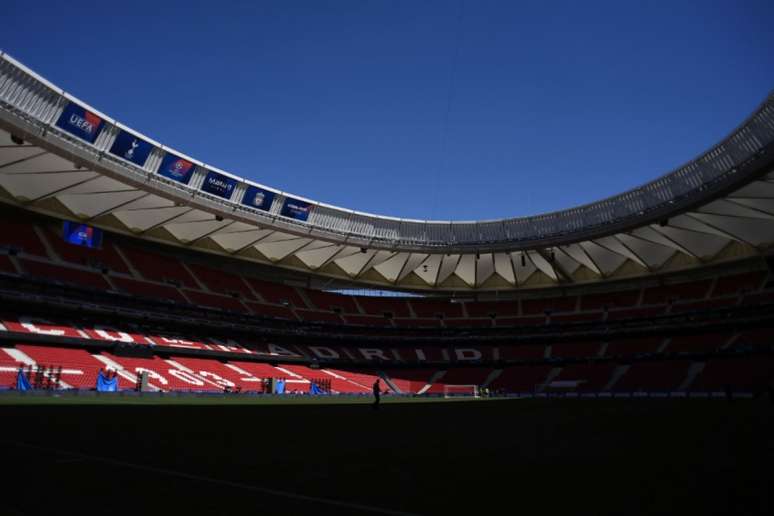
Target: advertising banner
131, 148
258, 198
80, 122
218, 184
296, 209
176, 168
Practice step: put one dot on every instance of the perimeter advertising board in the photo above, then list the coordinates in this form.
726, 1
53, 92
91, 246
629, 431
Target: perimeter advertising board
176, 168
296, 209
80, 122
258, 198
218, 184
131, 148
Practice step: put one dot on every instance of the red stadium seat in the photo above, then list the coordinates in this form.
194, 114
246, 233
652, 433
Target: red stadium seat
589, 377
679, 291
434, 308
653, 376
380, 305
521, 378
21, 236
276, 293
332, 302
64, 274
158, 267
553, 305
106, 256
6, 265
147, 289
221, 281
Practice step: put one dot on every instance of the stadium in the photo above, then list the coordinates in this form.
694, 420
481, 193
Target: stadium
236, 326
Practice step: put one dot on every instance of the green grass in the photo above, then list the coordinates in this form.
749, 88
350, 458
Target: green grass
193, 399
422, 456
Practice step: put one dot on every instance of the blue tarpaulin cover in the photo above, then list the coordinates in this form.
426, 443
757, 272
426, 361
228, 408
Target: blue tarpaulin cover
279, 387
22, 384
105, 385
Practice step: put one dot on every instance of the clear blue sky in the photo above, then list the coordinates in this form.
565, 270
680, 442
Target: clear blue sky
422, 109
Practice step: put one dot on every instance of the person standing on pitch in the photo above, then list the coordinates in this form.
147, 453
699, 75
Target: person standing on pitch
377, 394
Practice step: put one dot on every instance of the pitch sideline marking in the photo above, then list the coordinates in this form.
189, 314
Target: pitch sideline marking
228, 483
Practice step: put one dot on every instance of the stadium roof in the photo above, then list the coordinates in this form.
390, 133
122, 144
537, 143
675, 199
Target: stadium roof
61, 157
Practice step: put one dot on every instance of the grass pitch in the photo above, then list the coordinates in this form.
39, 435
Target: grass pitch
234, 456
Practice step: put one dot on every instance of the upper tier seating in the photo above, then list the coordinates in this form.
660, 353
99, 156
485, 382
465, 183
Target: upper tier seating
332, 302
276, 294
396, 307
22, 237
489, 308
315, 316
104, 257
367, 320
610, 300
64, 274
468, 323
275, 311
679, 291
158, 267
737, 283
221, 281
147, 289
575, 349
552, 305
215, 301
635, 313
435, 308
418, 323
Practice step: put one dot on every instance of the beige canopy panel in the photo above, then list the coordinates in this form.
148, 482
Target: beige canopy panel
727, 216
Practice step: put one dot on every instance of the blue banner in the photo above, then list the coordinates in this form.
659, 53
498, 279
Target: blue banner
106, 385
80, 122
218, 184
176, 168
131, 148
258, 198
22, 384
295, 209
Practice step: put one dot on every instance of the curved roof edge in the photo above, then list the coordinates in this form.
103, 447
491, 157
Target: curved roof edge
724, 166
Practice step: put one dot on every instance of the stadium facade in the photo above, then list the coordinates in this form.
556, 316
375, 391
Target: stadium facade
205, 280
74, 162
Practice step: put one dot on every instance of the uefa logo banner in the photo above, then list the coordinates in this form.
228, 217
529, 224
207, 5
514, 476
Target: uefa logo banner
131, 148
176, 168
80, 122
218, 184
295, 209
258, 198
